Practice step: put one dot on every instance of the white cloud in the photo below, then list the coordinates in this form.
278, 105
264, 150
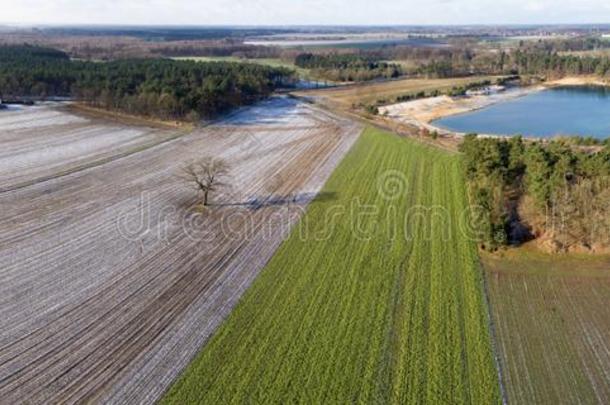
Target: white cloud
278, 12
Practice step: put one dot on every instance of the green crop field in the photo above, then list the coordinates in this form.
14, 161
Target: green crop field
376, 297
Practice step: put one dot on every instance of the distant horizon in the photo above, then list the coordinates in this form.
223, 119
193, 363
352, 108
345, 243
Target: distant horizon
276, 13
5, 24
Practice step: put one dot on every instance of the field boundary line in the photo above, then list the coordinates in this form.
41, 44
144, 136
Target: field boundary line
492, 332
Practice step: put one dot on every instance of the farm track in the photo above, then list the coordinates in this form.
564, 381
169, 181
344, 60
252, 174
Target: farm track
111, 281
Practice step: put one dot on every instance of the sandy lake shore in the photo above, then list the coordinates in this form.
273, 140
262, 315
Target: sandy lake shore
421, 113
579, 81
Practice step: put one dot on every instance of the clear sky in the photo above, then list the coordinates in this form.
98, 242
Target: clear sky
295, 12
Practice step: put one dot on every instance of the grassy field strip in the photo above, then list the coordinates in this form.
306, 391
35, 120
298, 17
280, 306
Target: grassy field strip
89, 313
552, 320
369, 93
350, 309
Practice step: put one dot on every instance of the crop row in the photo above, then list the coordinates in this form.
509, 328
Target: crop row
379, 304
111, 280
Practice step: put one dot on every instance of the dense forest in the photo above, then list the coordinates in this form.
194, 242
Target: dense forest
347, 67
545, 58
161, 88
551, 191
105, 48
585, 43
515, 62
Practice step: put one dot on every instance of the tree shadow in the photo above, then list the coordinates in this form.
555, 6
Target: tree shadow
258, 202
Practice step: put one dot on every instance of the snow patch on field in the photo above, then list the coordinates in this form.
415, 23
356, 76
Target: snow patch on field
36, 117
273, 112
110, 281
41, 142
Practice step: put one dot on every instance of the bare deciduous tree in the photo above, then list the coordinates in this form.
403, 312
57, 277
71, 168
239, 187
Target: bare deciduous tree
207, 174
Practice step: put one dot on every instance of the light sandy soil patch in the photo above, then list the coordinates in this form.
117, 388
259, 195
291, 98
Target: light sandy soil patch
111, 280
38, 143
579, 81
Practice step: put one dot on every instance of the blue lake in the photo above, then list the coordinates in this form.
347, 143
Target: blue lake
574, 110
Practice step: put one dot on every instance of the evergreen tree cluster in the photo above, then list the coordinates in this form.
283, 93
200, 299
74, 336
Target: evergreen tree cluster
523, 190
347, 67
161, 88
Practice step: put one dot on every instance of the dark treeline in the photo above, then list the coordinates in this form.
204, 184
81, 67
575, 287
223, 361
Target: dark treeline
161, 88
554, 64
531, 58
347, 67
16, 54
516, 62
410, 53
444, 63
567, 44
160, 33
102, 47
546, 190
224, 48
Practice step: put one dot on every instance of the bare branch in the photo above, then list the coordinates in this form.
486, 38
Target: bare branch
207, 174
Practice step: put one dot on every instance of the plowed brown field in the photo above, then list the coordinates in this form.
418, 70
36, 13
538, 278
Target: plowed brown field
110, 278
552, 325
